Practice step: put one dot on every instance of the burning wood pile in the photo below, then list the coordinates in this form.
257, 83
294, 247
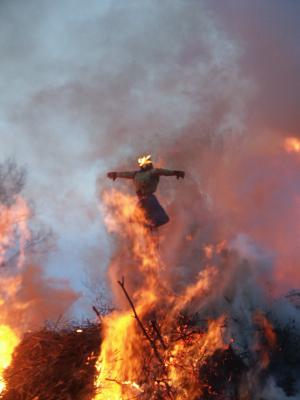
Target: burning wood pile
61, 364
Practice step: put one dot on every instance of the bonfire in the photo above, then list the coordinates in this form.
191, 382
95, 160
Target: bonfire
214, 338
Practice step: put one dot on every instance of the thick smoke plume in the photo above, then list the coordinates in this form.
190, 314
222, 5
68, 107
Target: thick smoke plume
196, 97
213, 86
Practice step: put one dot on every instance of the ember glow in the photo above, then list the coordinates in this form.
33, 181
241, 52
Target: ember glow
292, 145
266, 346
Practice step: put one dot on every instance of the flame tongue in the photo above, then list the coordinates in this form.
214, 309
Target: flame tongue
14, 234
145, 160
116, 376
8, 342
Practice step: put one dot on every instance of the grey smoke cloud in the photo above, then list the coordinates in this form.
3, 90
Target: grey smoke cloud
202, 85
268, 32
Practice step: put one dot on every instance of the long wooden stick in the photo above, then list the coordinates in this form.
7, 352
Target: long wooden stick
151, 342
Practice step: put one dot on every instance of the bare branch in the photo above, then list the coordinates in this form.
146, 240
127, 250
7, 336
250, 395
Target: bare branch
95, 309
151, 342
157, 331
12, 181
32, 245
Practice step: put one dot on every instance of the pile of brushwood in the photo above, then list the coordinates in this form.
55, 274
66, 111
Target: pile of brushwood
228, 375
59, 364
54, 364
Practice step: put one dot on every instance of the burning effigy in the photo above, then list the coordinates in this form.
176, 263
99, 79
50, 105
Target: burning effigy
146, 180
217, 337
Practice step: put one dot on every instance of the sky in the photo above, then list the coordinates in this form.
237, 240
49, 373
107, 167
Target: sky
206, 86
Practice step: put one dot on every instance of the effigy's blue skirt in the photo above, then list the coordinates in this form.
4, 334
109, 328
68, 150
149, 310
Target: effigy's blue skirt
155, 214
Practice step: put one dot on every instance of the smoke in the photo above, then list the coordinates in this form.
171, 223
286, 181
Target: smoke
268, 32
29, 299
227, 134
206, 87
27, 296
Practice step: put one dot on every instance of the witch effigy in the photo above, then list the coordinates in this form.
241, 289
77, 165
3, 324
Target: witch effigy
146, 180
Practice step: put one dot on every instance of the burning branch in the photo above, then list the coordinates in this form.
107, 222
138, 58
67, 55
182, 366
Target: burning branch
151, 342
157, 331
149, 339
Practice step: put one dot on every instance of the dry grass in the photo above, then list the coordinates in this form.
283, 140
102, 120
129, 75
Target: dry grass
54, 364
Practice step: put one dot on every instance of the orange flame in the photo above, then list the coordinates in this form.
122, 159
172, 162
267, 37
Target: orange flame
264, 347
145, 160
14, 234
8, 341
123, 216
121, 364
184, 359
292, 144
114, 371
210, 250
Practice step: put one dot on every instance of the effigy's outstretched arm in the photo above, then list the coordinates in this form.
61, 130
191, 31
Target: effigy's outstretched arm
126, 174
169, 172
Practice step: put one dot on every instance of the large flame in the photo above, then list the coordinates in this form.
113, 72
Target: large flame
128, 360
150, 351
114, 373
8, 342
